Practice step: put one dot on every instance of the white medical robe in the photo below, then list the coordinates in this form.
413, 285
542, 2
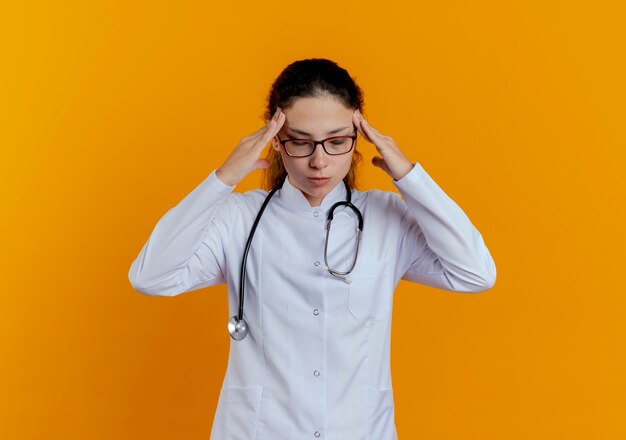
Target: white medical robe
316, 361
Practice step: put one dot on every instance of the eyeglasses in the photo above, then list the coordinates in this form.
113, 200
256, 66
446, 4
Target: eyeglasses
333, 146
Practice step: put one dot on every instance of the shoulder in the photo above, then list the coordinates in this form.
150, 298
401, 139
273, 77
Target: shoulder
387, 206
245, 203
378, 199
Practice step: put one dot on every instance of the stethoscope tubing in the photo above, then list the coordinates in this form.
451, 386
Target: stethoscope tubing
349, 204
237, 325
242, 277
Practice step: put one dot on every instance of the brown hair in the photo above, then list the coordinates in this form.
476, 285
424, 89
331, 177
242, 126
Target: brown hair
303, 79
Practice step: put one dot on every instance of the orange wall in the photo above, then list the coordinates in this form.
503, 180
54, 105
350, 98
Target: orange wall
113, 111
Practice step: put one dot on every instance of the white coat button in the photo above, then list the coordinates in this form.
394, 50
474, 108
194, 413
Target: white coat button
317, 263
316, 312
316, 373
316, 213
317, 434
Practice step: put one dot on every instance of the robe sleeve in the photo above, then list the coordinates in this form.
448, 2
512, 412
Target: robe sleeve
185, 250
439, 245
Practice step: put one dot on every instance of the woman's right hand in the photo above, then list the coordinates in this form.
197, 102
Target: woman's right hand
245, 157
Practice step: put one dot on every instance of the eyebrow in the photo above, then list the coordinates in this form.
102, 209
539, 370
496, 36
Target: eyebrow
295, 130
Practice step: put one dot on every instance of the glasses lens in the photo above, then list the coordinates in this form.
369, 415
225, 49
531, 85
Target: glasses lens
299, 148
338, 145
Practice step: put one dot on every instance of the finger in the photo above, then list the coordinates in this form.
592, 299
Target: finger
280, 121
261, 131
277, 114
379, 162
356, 118
273, 120
275, 123
371, 132
261, 164
273, 128
269, 124
256, 134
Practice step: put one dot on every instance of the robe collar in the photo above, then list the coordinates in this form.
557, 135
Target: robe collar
295, 201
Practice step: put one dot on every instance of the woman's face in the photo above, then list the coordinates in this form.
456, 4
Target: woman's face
316, 118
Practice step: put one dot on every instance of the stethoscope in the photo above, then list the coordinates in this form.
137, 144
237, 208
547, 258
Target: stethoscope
237, 326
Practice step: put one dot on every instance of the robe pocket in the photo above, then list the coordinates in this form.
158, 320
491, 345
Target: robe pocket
238, 413
369, 296
381, 414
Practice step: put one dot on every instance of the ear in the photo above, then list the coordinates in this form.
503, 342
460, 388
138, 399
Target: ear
275, 144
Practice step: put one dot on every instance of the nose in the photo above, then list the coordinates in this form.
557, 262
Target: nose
319, 158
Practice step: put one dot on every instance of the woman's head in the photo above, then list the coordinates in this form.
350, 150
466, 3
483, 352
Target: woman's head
318, 97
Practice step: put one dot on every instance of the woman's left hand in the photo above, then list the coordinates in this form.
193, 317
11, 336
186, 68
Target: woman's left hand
391, 159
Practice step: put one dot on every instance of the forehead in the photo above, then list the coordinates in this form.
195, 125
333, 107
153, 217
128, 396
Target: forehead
318, 115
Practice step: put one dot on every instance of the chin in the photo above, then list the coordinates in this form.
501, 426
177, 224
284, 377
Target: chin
318, 192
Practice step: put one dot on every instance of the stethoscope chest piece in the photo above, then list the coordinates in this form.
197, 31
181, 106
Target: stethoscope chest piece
238, 328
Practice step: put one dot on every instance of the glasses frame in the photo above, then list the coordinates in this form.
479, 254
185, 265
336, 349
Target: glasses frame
353, 137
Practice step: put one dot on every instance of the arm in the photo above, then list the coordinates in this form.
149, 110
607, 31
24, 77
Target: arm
184, 251
442, 247
438, 245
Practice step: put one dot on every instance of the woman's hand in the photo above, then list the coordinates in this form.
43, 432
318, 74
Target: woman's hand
245, 157
391, 159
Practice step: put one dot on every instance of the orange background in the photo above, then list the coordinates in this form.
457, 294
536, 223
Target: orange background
113, 111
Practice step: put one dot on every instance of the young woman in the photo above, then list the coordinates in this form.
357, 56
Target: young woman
309, 355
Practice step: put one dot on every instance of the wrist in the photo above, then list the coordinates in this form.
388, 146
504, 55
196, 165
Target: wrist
225, 177
406, 169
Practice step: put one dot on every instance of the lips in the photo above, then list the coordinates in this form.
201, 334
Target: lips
319, 180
